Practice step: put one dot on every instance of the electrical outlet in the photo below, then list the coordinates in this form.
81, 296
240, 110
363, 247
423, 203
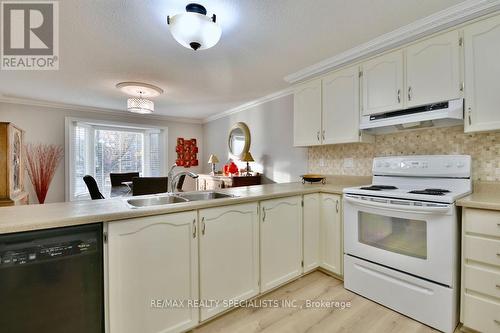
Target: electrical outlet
348, 163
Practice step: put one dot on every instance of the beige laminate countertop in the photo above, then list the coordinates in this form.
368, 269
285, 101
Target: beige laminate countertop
486, 195
37, 217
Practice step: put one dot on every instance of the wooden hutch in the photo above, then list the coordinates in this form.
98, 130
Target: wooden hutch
12, 169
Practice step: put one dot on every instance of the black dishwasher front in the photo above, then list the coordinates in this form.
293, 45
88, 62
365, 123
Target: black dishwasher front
52, 281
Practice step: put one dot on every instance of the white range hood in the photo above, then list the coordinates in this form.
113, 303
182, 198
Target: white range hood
433, 115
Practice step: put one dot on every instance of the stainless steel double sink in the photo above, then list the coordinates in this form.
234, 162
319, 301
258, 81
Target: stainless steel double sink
168, 199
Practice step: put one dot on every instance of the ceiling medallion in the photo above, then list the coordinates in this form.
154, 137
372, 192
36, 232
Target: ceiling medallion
141, 92
194, 29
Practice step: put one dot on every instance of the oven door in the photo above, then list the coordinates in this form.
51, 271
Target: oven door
415, 237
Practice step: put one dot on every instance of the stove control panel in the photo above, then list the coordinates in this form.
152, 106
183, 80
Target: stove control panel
453, 166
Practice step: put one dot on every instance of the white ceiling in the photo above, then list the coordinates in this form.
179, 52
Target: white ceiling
103, 42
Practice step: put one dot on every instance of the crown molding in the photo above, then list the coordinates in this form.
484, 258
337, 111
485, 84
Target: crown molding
251, 104
441, 20
83, 108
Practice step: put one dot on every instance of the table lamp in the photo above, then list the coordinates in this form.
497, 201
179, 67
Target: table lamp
213, 160
247, 157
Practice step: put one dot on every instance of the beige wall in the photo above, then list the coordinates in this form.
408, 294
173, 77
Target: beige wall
46, 125
483, 147
271, 128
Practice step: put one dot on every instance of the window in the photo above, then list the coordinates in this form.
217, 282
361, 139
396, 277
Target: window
100, 149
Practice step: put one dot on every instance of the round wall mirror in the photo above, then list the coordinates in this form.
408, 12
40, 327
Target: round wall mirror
239, 140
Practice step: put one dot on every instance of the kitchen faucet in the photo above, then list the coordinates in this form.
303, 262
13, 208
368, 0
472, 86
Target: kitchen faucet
173, 179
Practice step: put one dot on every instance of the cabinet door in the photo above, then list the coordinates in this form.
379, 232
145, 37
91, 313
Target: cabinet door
341, 106
229, 255
331, 233
382, 83
312, 216
281, 241
482, 70
152, 258
433, 70
307, 114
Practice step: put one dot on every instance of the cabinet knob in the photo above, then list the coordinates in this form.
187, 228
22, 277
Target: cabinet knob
409, 93
317, 135
263, 214
203, 226
469, 111
323, 134
194, 228
399, 95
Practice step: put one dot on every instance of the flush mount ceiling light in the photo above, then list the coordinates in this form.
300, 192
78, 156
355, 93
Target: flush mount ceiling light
194, 29
140, 104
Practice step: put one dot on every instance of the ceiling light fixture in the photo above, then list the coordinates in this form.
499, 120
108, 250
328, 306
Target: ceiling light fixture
140, 104
194, 29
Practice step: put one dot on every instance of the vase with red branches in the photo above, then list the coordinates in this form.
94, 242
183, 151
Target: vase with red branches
42, 161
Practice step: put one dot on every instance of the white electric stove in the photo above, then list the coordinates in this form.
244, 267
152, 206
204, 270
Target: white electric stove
401, 236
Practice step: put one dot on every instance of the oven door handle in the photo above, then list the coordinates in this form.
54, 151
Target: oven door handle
395, 207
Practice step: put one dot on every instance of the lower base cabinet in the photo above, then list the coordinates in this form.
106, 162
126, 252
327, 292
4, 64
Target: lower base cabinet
331, 233
224, 254
480, 283
323, 245
281, 241
229, 255
312, 223
149, 259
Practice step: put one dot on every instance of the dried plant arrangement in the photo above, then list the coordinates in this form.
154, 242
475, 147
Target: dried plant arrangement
42, 161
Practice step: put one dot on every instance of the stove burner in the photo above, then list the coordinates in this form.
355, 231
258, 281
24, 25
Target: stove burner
430, 191
378, 187
437, 190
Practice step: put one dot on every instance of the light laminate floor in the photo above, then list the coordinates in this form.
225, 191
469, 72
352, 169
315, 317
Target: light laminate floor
363, 315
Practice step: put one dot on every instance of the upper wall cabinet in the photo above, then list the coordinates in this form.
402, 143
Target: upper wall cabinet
341, 106
326, 110
433, 70
307, 114
382, 83
482, 71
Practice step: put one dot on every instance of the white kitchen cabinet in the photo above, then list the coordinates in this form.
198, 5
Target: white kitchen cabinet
382, 83
312, 216
482, 71
152, 258
331, 233
433, 70
341, 106
307, 114
281, 241
229, 254
480, 282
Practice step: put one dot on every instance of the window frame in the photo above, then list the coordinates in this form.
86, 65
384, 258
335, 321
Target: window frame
93, 124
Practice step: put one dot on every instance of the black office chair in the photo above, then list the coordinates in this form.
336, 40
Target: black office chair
149, 185
95, 194
118, 178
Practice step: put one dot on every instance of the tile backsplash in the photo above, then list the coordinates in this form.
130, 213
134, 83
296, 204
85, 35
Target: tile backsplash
356, 158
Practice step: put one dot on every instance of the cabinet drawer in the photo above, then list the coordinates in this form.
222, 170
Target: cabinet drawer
482, 280
482, 222
481, 314
482, 250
